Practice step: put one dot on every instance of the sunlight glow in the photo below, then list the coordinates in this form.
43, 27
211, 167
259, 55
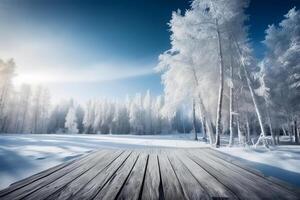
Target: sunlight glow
33, 78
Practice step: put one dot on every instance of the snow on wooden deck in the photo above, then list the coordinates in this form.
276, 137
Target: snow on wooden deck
154, 173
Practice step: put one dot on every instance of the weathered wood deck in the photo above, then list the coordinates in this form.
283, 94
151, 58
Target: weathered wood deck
150, 174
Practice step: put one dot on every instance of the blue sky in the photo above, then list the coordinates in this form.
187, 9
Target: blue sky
89, 49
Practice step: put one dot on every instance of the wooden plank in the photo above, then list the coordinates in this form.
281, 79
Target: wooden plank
40, 183
116, 182
40, 175
91, 189
132, 189
152, 189
243, 187
170, 184
232, 160
190, 186
261, 182
211, 185
239, 187
56, 185
238, 163
70, 189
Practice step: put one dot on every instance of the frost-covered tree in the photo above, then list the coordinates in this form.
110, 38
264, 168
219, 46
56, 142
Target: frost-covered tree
137, 115
40, 114
156, 114
282, 66
7, 70
201, 41
89, 117
183, 69
108, 111
71, 121
79, 116
121, 123
24, 106
147, 106
36, 110
18, 117
58, 115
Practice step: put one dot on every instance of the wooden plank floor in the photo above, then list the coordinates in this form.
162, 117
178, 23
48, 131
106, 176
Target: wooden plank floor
201, 173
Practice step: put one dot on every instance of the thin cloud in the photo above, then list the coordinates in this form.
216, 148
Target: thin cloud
98, 73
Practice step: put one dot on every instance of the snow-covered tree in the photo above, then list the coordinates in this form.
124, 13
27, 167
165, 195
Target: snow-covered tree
147, 106
282, 66
25, 97
137, 115
89, 117
7, 72
71, 121
40, 105
121, 123
201, 41
79, 116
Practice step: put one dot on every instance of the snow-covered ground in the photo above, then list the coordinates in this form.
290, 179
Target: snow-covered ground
24, 155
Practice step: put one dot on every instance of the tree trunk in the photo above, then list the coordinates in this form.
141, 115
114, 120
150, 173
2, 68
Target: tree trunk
183, 124
207, 121
278, 137
284, 131
221, 88
290, 127
204, 113
296, 131
2, 106
239, 131
292, 138
248, 129
231, 141
194, 120
258, 112
203, 129
202, 118
256, 109
270, 124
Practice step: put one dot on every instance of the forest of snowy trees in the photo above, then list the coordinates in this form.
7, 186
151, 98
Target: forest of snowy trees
28, 109
213, 84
